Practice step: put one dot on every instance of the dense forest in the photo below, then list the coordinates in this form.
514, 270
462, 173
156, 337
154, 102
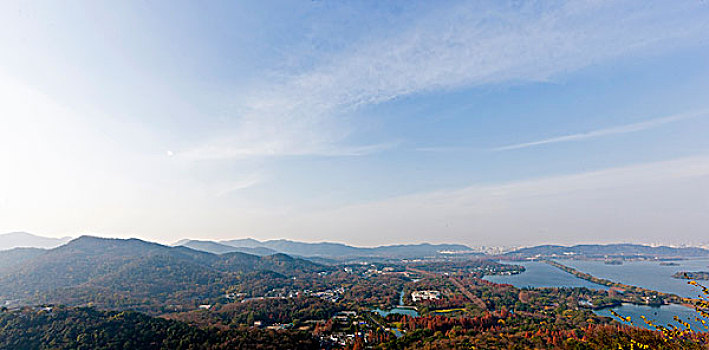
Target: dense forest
267, 311
86, 328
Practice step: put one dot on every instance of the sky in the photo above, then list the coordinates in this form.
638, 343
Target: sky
501, 123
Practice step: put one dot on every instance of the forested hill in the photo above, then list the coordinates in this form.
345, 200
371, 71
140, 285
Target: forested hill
610, 250
16, 256
135, 274
57, 328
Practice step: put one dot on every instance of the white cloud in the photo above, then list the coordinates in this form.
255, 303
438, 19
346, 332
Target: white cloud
238, 185
623, 129
280, 146
471, 44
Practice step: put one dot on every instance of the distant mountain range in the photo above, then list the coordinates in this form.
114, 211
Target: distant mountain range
27, 240
16, 247
609, 251
220, 248
325, 249
135, 274
132, 273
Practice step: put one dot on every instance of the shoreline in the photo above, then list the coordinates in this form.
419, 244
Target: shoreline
666, 298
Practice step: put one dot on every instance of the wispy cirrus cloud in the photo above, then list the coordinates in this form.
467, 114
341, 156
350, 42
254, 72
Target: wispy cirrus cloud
617, 130
238, 185
470, 44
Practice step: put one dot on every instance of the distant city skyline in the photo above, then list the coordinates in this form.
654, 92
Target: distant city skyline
493, 123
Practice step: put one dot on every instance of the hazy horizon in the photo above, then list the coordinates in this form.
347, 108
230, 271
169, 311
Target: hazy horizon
497, 123
474, 245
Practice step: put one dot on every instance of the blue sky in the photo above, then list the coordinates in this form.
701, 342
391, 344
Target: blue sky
484, 123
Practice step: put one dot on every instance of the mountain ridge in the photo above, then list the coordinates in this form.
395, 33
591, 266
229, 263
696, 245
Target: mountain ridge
219, 248
620, 250
328, 249
13, 240
133, 273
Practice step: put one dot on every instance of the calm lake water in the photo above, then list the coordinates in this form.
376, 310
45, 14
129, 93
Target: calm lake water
539, 274
646, 274
659, 315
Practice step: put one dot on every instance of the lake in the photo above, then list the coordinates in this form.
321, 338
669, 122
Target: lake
539, 275
646, 274
659, 315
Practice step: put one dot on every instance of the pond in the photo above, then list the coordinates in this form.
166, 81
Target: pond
401, 309
397, 310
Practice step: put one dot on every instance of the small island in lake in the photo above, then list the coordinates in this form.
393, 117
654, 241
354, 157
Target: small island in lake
699, 275
668, 263
613, 262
